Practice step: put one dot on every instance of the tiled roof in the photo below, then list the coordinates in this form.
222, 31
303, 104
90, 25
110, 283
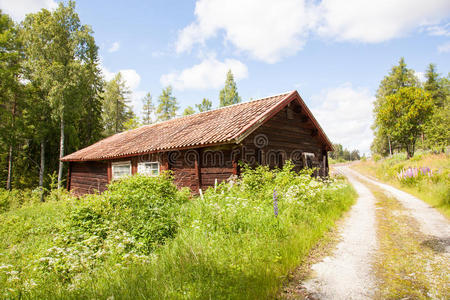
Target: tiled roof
223, 125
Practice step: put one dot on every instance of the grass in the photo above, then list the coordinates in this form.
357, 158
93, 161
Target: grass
227, 245
408, 265
435, 191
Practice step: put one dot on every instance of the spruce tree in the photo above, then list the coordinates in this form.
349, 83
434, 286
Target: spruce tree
204, 106
188, 111
116, 110
229, 95
167, 105
148, 109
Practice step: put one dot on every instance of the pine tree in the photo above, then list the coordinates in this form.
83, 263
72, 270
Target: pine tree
229, 95
148, 109
204, 106
116, 111
167, 105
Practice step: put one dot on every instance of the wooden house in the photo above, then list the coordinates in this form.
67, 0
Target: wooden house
206, 147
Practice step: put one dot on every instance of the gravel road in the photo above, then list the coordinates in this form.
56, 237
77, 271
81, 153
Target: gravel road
346, 274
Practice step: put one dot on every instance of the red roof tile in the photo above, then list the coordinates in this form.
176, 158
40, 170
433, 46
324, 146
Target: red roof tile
223, 125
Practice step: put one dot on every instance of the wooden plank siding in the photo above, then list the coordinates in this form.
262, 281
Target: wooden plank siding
289, 134
88, 177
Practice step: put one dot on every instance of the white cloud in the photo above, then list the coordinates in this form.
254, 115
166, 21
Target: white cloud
17, 9
269, 30
439, 30
114, 47
444, 48
210, 73
345, 114
377, 21
265, 29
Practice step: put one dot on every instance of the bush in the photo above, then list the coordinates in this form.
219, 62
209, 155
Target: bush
143, 239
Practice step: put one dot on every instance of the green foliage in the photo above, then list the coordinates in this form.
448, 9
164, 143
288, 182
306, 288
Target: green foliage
399, 77
188, 111
430, 126
143, 239
204, 106
116, 109
167, 105
229, 95
147, 109
146, 207
403, 115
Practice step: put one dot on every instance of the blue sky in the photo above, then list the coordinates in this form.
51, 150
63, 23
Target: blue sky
333, 52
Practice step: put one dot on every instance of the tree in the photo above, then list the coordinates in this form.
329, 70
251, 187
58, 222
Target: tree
132, 123
11, 100
229, 95
400, 76
168, 105
437, 133
57, 49
433, 86
204, 106
148, 109
188, 111
116, 111
403, 114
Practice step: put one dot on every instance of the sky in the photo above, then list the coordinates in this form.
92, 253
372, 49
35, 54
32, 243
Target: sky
333, 52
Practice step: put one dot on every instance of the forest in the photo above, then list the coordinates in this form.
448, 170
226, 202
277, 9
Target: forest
55, 100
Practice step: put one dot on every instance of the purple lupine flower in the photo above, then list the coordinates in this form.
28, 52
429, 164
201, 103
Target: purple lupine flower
275, 203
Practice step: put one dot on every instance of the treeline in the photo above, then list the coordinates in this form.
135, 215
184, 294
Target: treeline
341, 154
55, 100
410, 114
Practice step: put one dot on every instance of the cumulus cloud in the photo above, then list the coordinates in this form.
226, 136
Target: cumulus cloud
444, 48
345, 114
377, 21
210, 73
114, 47
269, 30
265, 29
17, 9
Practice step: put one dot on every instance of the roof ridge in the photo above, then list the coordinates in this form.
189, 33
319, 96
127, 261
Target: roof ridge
212, 110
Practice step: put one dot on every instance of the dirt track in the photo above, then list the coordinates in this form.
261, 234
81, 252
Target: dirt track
348, 273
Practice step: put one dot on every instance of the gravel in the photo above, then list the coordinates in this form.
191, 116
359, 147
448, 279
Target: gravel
431, 222
347, 273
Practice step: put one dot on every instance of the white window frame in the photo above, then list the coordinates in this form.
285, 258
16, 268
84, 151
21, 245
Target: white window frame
120, 163
149, 162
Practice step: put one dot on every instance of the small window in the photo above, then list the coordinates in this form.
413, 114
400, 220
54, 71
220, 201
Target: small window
121, 169
148, 168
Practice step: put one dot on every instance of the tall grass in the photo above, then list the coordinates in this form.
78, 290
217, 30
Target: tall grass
434, 188
228, 244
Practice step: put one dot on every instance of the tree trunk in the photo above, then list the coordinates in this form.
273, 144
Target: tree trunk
42, 170
61, 152
10, 166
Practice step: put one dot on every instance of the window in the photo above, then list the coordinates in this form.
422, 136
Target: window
148, 168
121, 169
